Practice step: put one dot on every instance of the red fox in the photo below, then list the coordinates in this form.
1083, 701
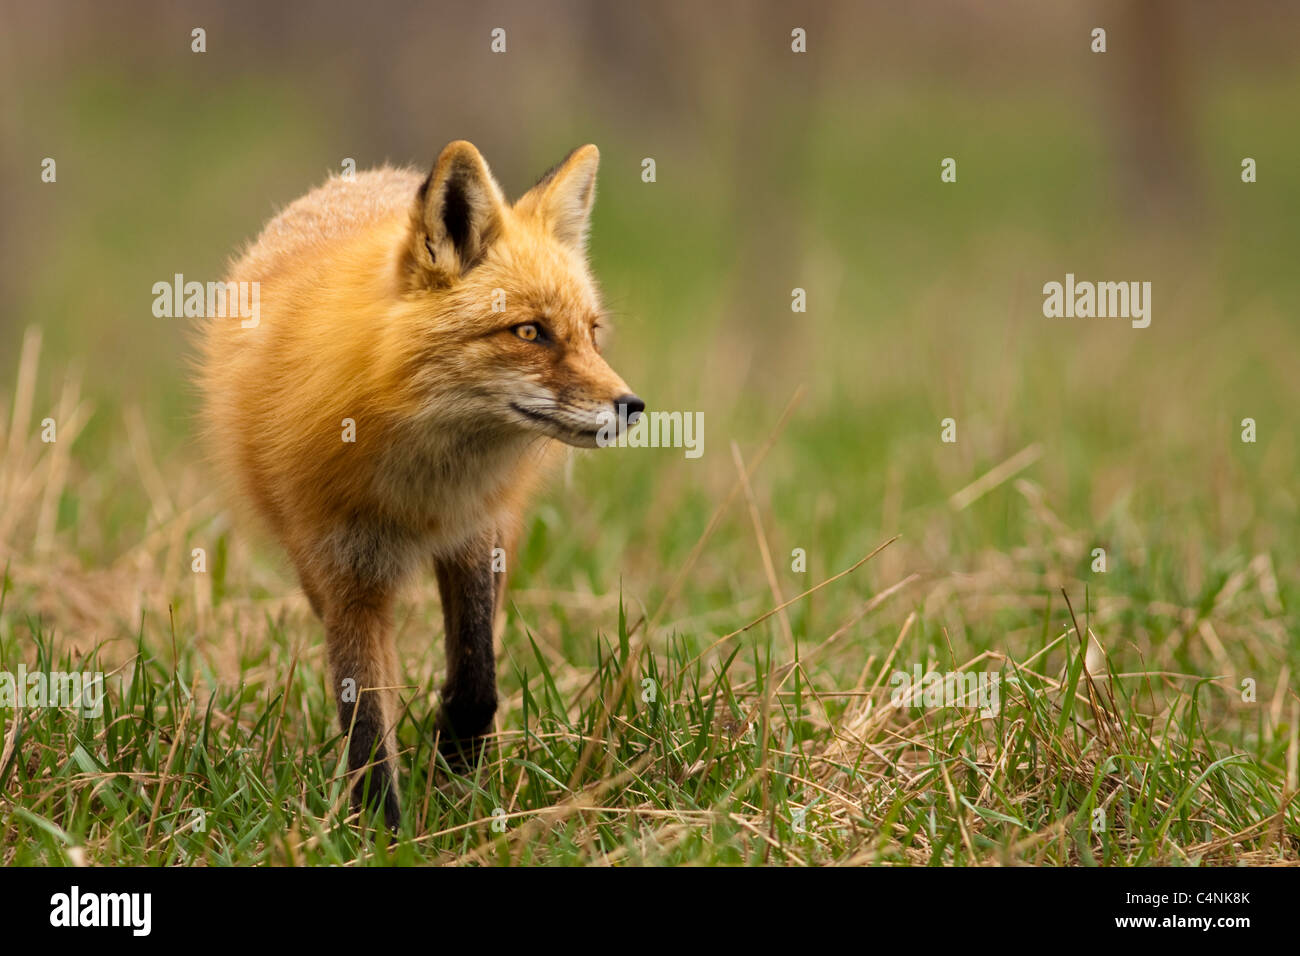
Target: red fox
420, 348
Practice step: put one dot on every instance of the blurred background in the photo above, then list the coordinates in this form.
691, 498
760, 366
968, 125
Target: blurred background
775, 170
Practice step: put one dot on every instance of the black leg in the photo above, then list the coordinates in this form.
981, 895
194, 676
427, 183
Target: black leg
362, 664
469, 697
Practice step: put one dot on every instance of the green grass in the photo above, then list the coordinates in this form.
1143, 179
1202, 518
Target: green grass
733, 734
746, 760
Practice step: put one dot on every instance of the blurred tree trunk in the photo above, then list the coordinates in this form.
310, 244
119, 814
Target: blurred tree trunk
1152, 129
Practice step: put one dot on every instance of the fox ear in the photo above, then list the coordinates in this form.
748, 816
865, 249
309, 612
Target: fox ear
457, 213
564, 196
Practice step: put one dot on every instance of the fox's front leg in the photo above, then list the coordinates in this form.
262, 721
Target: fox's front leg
469, 697
358, 631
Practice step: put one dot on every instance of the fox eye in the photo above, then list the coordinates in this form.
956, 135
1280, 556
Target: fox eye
529, 332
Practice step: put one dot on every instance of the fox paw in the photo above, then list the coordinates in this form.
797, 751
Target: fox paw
463, 734
374, 790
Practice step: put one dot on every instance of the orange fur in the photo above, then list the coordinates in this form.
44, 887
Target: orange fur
376, 305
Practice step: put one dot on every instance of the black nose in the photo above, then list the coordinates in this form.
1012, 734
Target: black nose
629, 407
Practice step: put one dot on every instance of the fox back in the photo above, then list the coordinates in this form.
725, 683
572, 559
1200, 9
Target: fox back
420, 347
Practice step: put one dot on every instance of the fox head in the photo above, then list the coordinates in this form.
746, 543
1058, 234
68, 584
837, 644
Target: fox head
505, 310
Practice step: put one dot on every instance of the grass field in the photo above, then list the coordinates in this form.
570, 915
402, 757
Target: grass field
673, 690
